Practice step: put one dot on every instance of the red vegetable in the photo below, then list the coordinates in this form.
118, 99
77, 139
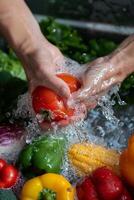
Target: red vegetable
10, 133
125, 195
102, 185
2, 163
86, 190
51, 106
108, 185
8, 175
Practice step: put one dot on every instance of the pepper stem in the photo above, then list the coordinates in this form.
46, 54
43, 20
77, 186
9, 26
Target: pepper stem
47, 194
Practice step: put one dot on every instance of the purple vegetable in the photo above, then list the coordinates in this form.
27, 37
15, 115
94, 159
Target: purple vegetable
10, 133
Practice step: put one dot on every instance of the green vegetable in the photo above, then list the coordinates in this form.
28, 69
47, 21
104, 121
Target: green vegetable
7, 195
41, 155
47, 194
128, 83
10, 88
10, 63
101, 47
72, 44
65, 38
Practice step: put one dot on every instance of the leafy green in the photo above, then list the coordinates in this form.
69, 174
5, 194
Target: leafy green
47, 194
65, 38
10, 63
72, 44
101, 47
10, 88
128, 83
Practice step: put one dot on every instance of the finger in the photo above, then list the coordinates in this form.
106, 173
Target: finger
51, 82
108, 84
84, 94
59, 86
90, 96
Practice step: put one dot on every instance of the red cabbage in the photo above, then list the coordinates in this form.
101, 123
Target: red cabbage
9, 133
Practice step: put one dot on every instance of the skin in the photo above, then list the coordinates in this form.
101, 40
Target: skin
40, 58
100, 75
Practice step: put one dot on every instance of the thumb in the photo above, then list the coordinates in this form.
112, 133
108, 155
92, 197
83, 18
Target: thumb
59, 86
51, 81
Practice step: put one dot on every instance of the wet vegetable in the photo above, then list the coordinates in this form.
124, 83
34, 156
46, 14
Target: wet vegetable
8, 174
54, 182
41, 155
127, 162
103, 184
86, 157
52, 107
9, 133
10, 63
47, 194
86, 190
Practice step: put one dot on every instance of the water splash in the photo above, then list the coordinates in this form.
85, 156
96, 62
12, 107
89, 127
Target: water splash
25, 111
102, 126
106, 104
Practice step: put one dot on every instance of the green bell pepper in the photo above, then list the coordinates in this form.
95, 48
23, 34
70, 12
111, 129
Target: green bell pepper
43, 155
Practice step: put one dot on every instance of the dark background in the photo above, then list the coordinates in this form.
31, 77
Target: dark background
108, 11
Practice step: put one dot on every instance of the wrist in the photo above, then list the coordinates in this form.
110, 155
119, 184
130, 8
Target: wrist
123, 60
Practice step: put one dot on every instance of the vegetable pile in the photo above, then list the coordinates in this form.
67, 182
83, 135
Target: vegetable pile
34, 188
105, 173
103, 184
87, 157
103, 177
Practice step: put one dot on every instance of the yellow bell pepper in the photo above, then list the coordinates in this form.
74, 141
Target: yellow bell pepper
55, 182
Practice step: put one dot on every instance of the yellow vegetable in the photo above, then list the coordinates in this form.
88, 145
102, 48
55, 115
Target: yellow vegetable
86, 157
54, 182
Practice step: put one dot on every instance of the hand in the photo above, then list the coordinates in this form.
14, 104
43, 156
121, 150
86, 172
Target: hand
100, 75
38, 56
41, 66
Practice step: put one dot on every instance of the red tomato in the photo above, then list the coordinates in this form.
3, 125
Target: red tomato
2, 163
49, 104
72, 82
9, 175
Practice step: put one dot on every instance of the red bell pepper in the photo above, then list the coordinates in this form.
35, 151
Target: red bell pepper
103, 184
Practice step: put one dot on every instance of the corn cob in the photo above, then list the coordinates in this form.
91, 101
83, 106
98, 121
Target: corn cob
86, 157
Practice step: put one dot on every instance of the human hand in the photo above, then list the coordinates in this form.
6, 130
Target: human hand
38, 56
41, 67
100, 75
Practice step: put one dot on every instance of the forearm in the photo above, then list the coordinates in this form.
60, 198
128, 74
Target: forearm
123, 56
18, 26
